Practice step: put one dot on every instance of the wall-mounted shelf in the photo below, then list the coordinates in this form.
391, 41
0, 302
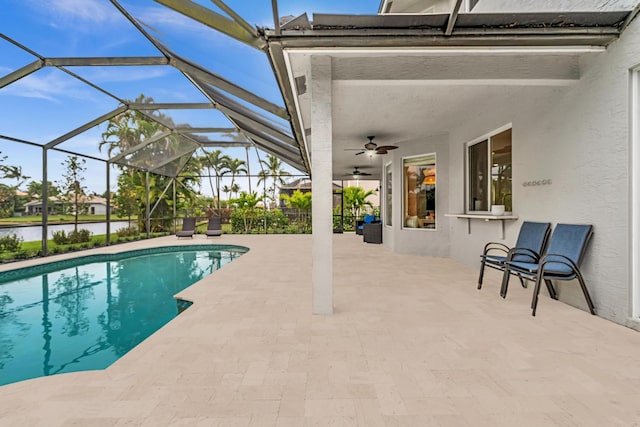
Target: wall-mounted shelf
484, 217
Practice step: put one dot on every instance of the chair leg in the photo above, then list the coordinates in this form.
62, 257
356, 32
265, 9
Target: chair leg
505, 282
481, 275
552, 291
585, 292
522, 282
536, 293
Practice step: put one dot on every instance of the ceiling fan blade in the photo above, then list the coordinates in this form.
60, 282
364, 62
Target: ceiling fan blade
357, 154
364, 174
386, 148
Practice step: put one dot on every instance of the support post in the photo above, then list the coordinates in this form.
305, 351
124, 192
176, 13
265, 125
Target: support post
148, 213
45, 202
322, 185
108, 201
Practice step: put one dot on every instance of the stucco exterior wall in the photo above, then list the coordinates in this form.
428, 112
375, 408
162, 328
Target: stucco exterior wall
578, 137
420, 241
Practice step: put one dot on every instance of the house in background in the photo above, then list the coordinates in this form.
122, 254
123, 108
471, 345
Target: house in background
530, 105
92, 205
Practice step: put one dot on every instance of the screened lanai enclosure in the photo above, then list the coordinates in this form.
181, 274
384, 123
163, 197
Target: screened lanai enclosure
141, 94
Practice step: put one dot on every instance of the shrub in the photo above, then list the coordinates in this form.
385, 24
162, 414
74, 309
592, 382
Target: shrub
60, 237
128, 231
79, 236
10, 243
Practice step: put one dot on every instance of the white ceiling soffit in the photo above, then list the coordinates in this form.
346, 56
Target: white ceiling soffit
525, 50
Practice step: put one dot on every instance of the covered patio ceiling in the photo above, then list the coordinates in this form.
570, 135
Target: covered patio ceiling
403, 77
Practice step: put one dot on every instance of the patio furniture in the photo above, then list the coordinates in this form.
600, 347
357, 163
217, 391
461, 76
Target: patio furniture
372, 233
188, 227
561, 261
368, 219
214, 228
528, 248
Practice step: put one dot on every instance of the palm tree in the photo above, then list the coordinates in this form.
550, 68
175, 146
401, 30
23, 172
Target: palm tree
234, 189
216, 161
234, 167
272, 169
299, 201
355, 198
247, 148
227, 190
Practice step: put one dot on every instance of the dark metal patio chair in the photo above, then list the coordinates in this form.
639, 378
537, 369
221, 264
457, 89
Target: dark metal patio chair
214, 228
528, 248
561, 261
188, 227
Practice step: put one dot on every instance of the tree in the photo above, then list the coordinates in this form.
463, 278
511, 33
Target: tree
235, 188
34, 190
216, 161
72, 184
227, 190
126, 197
234, 167
299, 201
355, 198
132, 128
246, 206
272, 168
8, 197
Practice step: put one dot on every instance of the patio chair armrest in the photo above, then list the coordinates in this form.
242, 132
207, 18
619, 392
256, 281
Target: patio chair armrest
535, 256
495, 246
558, 259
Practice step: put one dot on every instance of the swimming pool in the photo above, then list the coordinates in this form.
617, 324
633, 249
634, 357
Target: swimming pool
87, 312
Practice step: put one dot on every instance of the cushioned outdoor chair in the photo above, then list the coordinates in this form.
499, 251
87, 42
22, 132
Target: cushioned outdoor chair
213, 227
372, 233
529, 246
368, 219
561, 261
188, 227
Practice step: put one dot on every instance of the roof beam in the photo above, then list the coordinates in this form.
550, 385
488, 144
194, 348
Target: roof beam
237, 18
453, 17
107, 61
219, 82
206, 130
216, 21
86, 127
276, 18
21, 72
171, 106
140, 146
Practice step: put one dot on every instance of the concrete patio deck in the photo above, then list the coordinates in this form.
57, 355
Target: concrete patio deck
411, 343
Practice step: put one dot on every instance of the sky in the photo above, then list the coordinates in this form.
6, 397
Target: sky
50, 103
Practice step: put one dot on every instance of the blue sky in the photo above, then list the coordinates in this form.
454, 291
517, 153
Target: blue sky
50, 103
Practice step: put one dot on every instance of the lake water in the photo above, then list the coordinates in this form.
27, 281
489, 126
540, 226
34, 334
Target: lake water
34, 232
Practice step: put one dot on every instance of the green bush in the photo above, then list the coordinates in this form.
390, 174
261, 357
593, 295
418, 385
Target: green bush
79, 236
128, 231
60, 237
10, 243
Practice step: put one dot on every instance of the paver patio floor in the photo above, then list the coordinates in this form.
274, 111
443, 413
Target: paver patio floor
411, 343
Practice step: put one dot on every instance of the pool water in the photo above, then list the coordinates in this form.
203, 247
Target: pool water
86, 313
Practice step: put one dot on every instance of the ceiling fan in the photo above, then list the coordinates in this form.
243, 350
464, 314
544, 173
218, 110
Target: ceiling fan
373, 148
357, 172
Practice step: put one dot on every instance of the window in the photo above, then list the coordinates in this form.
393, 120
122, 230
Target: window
419, 175
489, 172
388, 185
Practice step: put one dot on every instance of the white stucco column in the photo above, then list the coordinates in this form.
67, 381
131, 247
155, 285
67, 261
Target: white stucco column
322, 187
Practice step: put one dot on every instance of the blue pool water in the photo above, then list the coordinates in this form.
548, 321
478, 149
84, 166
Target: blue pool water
84, 314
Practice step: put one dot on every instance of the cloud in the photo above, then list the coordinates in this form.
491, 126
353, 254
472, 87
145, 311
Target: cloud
49, 85
78, 14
